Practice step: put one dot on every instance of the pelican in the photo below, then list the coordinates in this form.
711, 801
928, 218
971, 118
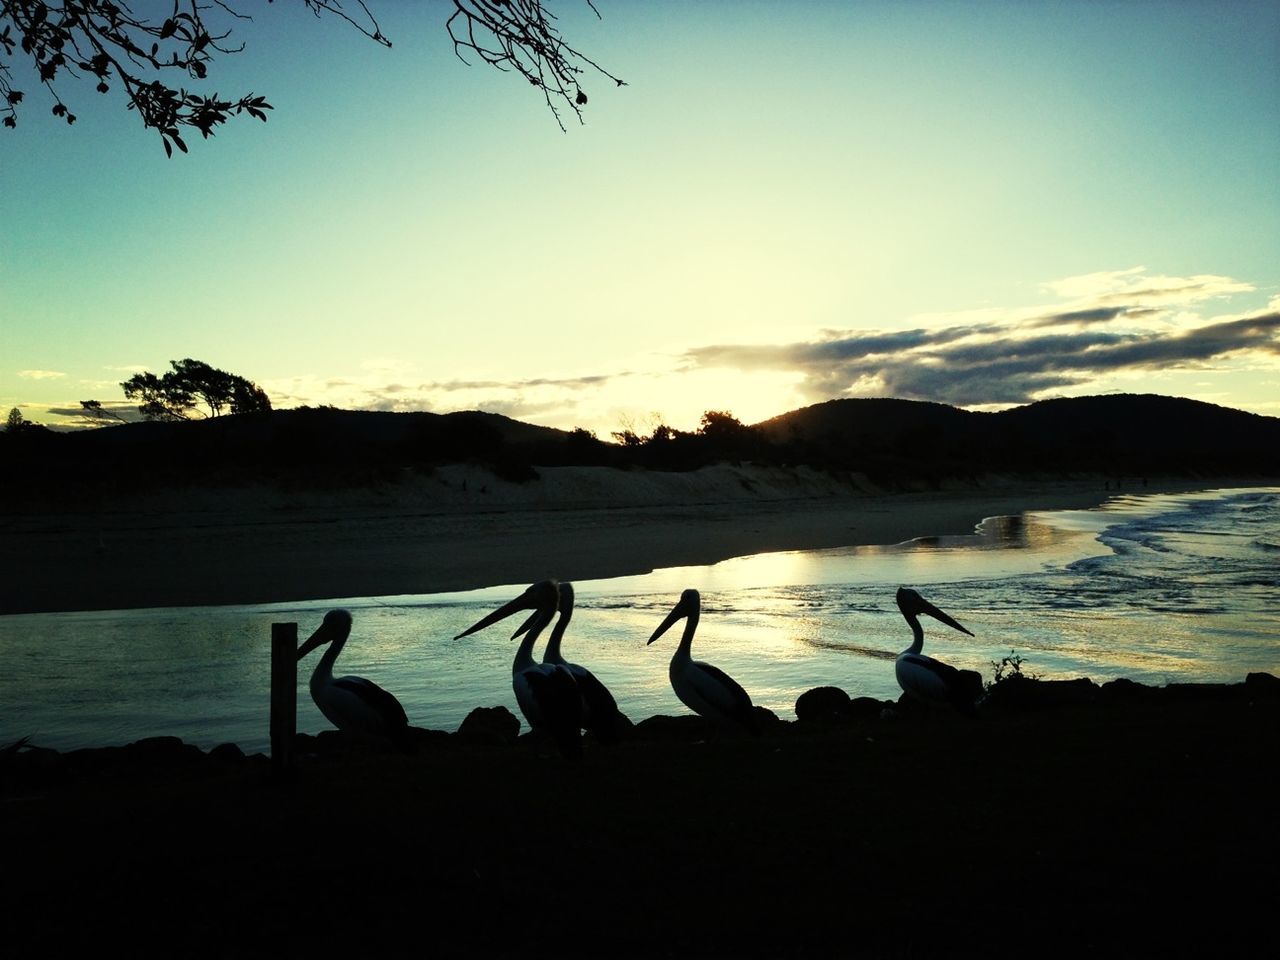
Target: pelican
924, 677
546, 692
706, 690
352, 704
600, 712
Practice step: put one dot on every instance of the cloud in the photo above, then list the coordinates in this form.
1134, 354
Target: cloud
115, 412
40, 374
1031, 353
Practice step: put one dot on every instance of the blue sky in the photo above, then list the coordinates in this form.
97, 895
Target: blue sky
978, 203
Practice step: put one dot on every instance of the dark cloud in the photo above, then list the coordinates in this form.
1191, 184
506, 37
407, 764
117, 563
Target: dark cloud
568, 383
1095, 315
116, 412
994, 363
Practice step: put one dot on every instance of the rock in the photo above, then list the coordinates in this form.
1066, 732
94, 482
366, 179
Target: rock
169, 751
1193, 692
496, 726
822, 705
767, 721
1026, 693
867, 708
686, 727
416, 739
1124, 690
226, 753
969, 690
1262, 684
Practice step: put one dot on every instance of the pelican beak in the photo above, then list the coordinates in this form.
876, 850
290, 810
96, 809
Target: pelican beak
931, 610
531, 599
317, 639
524, 627
677, 614
504, 611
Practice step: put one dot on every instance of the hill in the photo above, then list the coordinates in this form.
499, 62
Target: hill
1124, 434
891, 443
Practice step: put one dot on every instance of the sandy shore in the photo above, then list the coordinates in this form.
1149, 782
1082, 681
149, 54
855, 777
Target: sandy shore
1135, 824
461, 528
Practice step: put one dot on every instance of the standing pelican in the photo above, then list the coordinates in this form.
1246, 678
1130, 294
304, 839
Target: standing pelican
924, 677
706, 690
352, 704
600, 712
546, 692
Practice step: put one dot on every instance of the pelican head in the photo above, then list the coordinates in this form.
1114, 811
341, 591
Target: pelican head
336, 626
542, 597
687, 606
912, 605
565, 608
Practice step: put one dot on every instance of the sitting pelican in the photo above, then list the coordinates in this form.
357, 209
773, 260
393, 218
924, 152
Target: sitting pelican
600, 712
546, 692
706, 690
924, 677
352, 704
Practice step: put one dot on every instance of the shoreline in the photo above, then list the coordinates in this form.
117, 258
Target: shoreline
469, 530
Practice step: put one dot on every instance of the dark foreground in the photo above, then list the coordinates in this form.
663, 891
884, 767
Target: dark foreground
1140, 823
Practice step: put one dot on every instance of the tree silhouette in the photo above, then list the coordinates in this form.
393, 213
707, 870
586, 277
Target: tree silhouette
174, 395
106, 41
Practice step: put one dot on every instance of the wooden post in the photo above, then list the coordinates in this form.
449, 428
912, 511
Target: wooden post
284, 696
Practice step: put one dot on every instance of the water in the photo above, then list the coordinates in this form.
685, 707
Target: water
1154, 588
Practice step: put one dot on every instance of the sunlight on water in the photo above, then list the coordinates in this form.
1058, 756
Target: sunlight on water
1157, 589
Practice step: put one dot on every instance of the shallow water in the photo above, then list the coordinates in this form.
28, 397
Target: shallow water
1155, 588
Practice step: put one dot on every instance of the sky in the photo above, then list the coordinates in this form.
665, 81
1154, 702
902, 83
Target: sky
974, 203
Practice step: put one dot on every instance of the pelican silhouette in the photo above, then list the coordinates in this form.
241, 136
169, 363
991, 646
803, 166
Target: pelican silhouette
924, 677
352, 704
600, 713
706, 690
546, 692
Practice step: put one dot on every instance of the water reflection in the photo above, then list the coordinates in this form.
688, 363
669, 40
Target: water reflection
1073, 592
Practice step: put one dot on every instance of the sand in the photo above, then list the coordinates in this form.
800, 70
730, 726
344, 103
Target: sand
462, 528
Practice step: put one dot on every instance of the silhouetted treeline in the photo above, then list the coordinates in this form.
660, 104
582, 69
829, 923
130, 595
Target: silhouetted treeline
894, 443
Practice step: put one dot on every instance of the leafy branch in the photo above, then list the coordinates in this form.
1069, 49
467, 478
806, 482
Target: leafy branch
106, 41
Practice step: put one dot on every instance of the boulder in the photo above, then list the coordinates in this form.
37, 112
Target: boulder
494, 726
1262, 684
822, 705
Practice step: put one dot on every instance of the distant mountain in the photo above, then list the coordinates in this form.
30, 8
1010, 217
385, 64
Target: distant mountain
1122, 433
893, 443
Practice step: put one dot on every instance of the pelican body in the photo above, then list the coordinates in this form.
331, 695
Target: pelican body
545, 692
706, 690
924, 677
352, 704
600, 713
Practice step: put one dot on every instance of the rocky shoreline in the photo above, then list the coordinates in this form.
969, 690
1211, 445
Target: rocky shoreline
1068, 817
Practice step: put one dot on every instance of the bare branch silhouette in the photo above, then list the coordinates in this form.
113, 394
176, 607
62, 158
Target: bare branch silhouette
522, 35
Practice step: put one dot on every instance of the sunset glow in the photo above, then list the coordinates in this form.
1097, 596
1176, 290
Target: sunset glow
980, 204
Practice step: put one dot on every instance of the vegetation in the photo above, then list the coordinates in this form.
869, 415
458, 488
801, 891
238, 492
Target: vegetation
106, 42
174, 395
1008, 669
895, 445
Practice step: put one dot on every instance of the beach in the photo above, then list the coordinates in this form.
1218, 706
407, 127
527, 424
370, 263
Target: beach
1130, 821
462, 528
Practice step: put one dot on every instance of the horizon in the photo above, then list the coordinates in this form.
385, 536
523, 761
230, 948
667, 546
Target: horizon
981, 205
